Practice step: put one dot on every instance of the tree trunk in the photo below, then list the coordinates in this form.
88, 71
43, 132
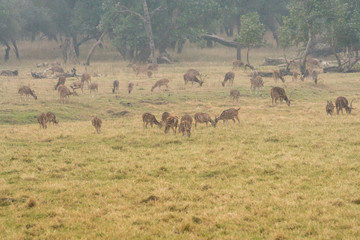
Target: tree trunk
15, 48
306, 53
92, 49
148, 31
238, 52
76, 46
69, 54
181, 44
247, 55
7, 51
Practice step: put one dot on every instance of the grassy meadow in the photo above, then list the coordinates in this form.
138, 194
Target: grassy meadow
282, 173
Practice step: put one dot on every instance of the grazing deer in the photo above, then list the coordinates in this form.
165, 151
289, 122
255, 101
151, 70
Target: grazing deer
342, 102
150, 118
130, 87
192, 76
93, 87
329, 108
51, 118
203, 118
42, 120
142, 69
228, 114
153, 67
235, 94
61, 81
276, 75
115, 86
161, 82
237, 64
164, 116
295, 76
25, 90
256, 83
185, 127
171, 122
86, 77
65, 93
315, 75
279, 93
186, 117
96, 122
229, 76
76, 85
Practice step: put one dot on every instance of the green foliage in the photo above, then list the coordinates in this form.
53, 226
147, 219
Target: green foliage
252, 30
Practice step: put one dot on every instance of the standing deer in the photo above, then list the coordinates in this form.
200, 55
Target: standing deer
171, 122
161, 82
295, 76
228, 114
203, 118
130, 87
237, 64
142, 69
329, 108
115, 86
342, 102
279, 93
164, 116
65, 93
51, 118
315, 75
25, 90
93, 87
150, 118
276, 75
42, 120
229, 76
96, 122
185, 127
86, 77
235, 94
61, 81
192, 76
256, 83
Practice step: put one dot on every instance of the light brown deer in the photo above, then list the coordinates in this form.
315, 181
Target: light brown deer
192, 76
229, 114
279, 93
55, 69
93, 87
185, 127
142, 69
61, 81
315, 75
186, 117
295, 76
130, 87
153, 67
171, 122
342, 102
235, 94
161, 82
150, 118
76, 85
42, 120
86, 77
96, 122
329, 108
203, 118
256, 83
25, 90
276, 75
115, 88
238, 64
51, 118
65, 93
229, 76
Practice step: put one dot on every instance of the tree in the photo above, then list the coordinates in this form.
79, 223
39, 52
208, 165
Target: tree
252, 32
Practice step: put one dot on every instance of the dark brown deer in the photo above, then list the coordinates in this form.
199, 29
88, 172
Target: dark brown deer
86, 77
150, 118
185, 127
96, 122
229, 76
65, 93
115, 86
25, 90
279, 93
235, 94
342, 102
237, 64
192, 76
164, 116
42, 120
186, 117
61, 81
329, 108
130, 87
203, 118
295, 76
256, 83
51, 118
161, 82
229, 114
171, 122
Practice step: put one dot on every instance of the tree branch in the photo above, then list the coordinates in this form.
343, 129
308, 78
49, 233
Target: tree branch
123, 9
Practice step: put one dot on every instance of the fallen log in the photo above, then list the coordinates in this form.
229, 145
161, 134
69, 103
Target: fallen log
273, 61
9, 73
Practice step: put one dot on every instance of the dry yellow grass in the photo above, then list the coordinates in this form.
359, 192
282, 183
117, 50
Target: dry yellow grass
282, 173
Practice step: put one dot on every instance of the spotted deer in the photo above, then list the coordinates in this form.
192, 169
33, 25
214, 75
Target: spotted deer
76, 85
65, 93
329, 108
171, 122
237, 64
315, 75
86, 77
256, 83
164, 116
61, 81
342, 102
51, 118
153, 67
150, 118
142, 69
161, 82
42, 120
235, 94
276, 75
185, 126
295, 76
94, 87
130, 87
96, 122
203, 118
192, 76
279, 93
25, 90
229, 114
229, 76
115, 86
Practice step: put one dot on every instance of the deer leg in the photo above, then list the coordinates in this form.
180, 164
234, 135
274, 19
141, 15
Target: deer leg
237, 119
151, 124
233, 120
